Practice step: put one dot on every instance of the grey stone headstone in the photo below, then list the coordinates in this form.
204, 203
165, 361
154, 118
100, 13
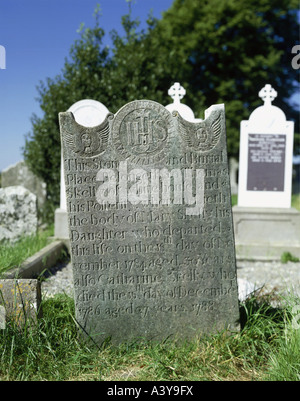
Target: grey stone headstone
18, 213
150, 224
19, 174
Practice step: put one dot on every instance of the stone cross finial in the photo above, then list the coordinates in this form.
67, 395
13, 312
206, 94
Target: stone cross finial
176, 92
267, 94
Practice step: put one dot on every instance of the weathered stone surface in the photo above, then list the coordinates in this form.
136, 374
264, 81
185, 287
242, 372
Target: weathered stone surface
19, 174
18, 213
89, 113
150, 224
20, 300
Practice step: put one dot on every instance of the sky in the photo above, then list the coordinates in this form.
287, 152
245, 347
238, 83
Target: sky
37, 36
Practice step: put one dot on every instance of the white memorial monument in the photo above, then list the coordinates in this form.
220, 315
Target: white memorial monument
89, 113
265, 224
266, 153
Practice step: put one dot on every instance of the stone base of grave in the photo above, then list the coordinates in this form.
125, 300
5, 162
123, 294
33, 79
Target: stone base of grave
20, 300
265, 233
61, 224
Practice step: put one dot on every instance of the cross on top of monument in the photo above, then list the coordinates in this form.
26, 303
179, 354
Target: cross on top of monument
267, 94
176, 92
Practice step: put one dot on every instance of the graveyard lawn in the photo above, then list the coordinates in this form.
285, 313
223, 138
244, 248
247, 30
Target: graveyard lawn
12, 255
296, 201
267, 348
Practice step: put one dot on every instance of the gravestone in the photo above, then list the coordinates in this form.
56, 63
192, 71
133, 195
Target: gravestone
265, 223
89, 113
266, 156
20, 174
150, 224
18, 213
20, 301
177, 92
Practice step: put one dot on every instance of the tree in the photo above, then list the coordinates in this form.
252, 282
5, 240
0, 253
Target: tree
220, 51
226, 51
90, 72
82, 77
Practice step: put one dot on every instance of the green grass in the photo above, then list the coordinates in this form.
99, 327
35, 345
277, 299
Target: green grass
234, 199
12, 255
267, 348
296, 201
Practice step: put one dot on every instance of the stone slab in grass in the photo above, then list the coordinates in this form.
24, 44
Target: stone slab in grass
20, 301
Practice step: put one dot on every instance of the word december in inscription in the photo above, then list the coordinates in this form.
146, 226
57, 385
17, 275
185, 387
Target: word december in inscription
187, 188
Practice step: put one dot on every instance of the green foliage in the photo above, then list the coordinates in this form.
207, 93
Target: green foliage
12, 255
220, 51
225, 51
288, 257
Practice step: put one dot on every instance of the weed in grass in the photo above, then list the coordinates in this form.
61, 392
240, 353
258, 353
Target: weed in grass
288, 257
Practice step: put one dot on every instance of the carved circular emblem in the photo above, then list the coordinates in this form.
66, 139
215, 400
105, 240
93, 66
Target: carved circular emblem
141, 130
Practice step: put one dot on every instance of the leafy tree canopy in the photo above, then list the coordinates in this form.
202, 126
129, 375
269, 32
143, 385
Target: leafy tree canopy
221, 51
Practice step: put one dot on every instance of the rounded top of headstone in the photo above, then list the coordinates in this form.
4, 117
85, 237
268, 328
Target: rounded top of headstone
177, 92
89, 112
185, 111
267, 116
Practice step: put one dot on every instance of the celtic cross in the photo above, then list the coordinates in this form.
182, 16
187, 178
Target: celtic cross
176, 92
267, 94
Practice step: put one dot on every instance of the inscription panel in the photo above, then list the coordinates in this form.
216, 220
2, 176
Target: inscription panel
266, 161
150, 225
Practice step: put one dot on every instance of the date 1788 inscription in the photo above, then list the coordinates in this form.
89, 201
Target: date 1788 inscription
150, 224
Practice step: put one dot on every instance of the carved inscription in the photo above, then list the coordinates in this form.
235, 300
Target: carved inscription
151, 237
266, 162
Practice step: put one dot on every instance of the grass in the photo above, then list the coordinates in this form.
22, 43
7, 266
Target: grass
12, 255
296, 201
267, 348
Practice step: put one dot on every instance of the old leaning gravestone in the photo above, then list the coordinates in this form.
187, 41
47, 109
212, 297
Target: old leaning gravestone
150, 224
